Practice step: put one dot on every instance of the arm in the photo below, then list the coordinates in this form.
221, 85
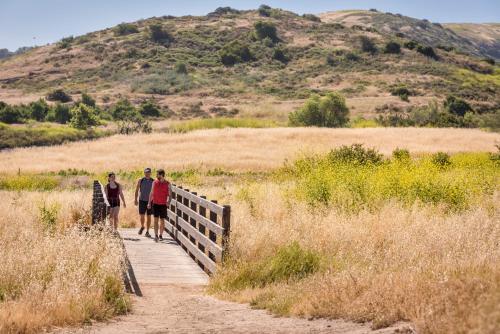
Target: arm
137, 191
122, 197
151, 195
169, 198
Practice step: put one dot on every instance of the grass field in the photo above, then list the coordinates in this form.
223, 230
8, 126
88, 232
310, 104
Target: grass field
361, 236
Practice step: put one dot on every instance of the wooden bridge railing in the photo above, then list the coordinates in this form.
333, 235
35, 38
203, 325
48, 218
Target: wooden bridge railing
100, 204
200, 226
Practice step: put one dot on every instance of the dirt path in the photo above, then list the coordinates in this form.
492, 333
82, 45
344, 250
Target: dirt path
186, 309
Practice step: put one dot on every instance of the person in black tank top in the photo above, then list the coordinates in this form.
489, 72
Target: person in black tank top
113, 193
142, 191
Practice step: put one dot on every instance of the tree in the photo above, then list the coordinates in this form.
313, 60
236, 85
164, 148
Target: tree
83, 117
39, 110
58, 95
328, 111
158, 35
235, 52
150, 108
265, 29
456, 106
10, 114
392, 47
367, 45
264, 10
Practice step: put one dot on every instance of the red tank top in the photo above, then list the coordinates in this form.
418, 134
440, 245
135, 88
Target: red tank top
160, 192
113, 194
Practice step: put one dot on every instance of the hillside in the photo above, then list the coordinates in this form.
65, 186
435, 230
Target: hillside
485, 37
180, 64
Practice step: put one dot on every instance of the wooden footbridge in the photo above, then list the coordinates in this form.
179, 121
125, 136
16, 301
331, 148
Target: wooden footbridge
198, 233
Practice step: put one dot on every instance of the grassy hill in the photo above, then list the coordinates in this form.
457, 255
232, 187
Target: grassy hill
178, 61
485, 37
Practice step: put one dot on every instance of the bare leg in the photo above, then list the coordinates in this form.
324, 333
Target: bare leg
156, 225
117, 211
162, 225
148, 223
142, 221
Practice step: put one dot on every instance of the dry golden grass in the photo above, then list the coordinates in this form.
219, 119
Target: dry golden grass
439, 271
51, 273
235, 149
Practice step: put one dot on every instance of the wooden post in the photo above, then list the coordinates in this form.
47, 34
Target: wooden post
226, 224
211, 235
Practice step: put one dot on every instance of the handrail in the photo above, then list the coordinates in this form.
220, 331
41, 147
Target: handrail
100, 204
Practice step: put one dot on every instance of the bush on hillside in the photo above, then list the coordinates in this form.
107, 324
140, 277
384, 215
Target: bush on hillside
124, 29
39, 110
392, 47
489, 60
235, 52
456, 106
410, 45
66, 42
123, 109
60, 113
264, 10
11, 114
181, 68
158, 35
223, 11
367, 45
150, 108
427, 51
401, 154
311, 17
355, 154
83, 117
279, 55
88, 100
58, 95
402, 91
265, 29
327, 111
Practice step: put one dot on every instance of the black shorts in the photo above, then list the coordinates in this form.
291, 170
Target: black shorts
143, 208
160, 210
114, 202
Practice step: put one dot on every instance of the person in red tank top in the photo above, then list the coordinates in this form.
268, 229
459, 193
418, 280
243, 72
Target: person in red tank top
159, 201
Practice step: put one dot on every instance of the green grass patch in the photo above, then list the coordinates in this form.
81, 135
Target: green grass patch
42, 135
221, 123
361, 122
290, 263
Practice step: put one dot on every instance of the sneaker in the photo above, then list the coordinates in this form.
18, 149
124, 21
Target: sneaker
141, 230
147, 235
156, 238
161, 237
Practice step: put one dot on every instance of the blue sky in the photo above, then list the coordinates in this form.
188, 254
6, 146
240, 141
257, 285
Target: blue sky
38, 22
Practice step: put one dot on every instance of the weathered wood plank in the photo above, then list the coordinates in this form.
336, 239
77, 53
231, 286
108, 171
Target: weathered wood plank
198, 200
212, 226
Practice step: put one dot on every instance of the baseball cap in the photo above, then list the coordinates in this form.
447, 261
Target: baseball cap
147, 170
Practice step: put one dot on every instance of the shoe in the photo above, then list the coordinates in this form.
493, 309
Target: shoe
161, 237
140, 230
156, 238
147, 235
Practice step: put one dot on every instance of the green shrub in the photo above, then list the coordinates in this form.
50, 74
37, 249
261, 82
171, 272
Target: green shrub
66, 42
88, 100
311, 17
181, 68
39, 110
47, 216
235, 52
328, 111
61, 113
125, 29
402, 91
456, 106
367, 45
489, 60
58, 95
401, 154
123, 109
410, 45
279, 55
150, 108
355, 154
392, 47
158, 35
83, 117
264, 10
427, 51
265, 29
11, 114
441, 159
28, 183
